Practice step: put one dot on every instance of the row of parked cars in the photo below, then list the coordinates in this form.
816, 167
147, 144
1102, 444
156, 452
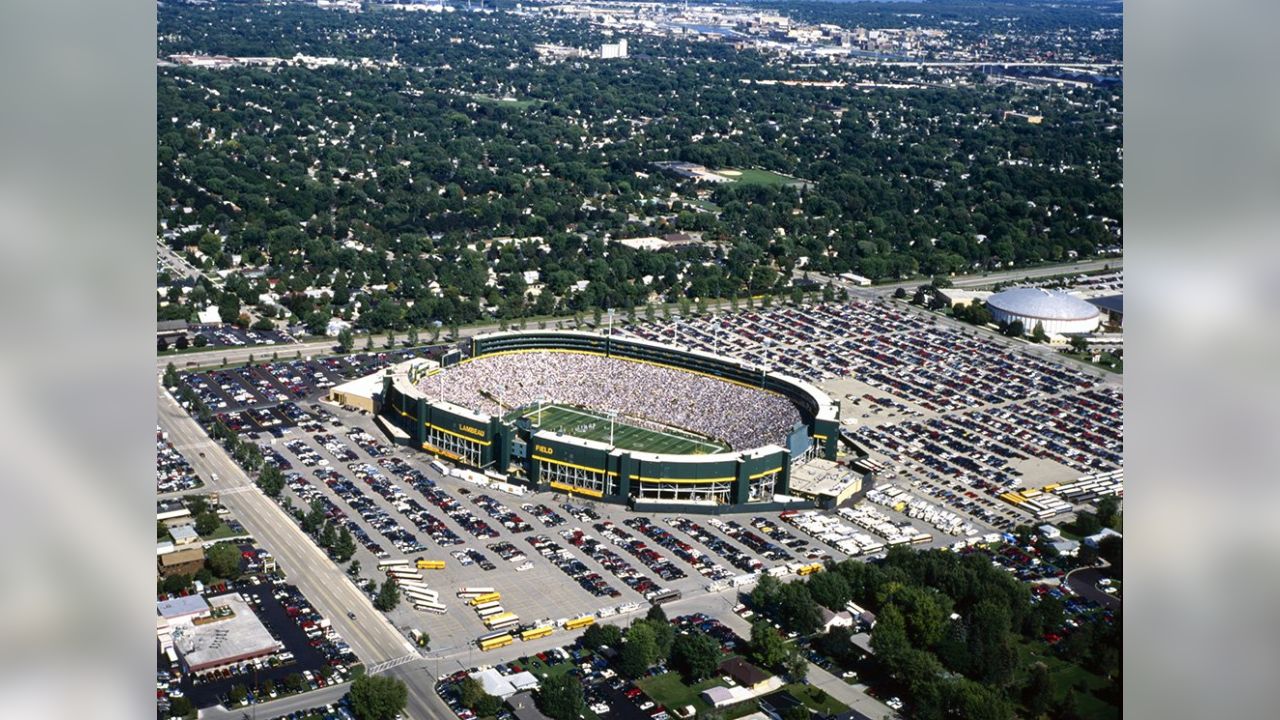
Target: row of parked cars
760, 546
649, 557
611, 561
572, 566
701, 562
503, 514
736, 557
545, 515
173, 470
310, 494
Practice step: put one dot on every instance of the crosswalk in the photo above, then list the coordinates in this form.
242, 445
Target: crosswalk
393, 663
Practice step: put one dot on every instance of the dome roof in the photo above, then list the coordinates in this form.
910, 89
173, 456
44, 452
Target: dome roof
1042, 304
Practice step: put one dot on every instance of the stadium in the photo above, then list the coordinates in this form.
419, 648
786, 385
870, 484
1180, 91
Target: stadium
616, 419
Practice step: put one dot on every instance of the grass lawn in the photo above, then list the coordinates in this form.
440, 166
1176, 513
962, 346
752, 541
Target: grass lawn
670, 691
595, 426
753, 176
809, 695
223, 531
1067, 675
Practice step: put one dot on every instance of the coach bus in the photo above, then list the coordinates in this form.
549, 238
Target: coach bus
490, 612
579, 622
665, 596
399, 574
430, 564
406, 583
535, 633
488, 605
494, 641
470, 592
428, 606
485, 598
384, 564
414, 593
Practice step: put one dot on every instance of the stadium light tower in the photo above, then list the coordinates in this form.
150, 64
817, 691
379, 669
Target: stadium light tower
610, 322
613, 415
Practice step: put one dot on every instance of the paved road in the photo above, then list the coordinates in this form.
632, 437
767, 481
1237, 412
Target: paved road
1084, 582
370, 635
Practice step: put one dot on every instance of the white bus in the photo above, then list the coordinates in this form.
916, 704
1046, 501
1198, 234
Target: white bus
439, 467
501, 620
490, 612
384, 564
404, 574
470, 592
432, 607
430, 595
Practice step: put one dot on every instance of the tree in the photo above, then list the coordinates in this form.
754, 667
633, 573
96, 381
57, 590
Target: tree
900, 294
328, 536
1111, 549
236, 694
766, 648
1037, 693
295, 682
176, 583
207, 522
1038, 334
170, 376
601, 635
830, 590
200, 341
346, 341
388, 596
182, 343
162, 530
695, 656
197, 504
271, 480
345, 546
180, 707
1014, 329
312, 521
377, 697
657, 614
639, 651
223, 560
664, 634
354, 568
795, 666
1078, 343
560, 697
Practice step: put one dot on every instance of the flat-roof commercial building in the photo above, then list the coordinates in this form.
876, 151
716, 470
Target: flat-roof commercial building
825, 482
186, 561
233, 635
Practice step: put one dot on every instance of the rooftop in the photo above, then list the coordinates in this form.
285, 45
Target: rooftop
1042, 304
238, 637
180, 606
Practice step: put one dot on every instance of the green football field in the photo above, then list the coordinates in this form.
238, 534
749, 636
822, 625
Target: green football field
595, 426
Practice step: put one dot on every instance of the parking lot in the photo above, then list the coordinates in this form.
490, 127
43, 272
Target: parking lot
173, 471
310, 648
958, 416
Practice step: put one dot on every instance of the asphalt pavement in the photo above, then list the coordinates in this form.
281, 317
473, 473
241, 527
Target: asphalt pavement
370, 635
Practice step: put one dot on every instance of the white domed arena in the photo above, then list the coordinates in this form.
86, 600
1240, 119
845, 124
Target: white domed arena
1057, 312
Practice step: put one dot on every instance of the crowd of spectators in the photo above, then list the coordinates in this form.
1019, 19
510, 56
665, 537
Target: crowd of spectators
644, 394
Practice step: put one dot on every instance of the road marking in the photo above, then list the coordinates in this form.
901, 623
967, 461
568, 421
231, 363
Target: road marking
394, 663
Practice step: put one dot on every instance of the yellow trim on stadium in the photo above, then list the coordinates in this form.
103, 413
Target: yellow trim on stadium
759, 475
451, 455
542, 458
470, 438
820, 437
576, 489
683, 481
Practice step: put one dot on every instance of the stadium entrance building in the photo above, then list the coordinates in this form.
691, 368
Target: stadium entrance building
492, 434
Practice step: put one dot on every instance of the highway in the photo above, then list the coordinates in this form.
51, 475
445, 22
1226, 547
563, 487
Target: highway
373, 638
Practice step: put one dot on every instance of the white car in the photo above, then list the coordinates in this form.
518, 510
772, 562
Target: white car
894, 702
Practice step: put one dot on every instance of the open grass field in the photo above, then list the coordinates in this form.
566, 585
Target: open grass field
590, 425
752, 176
